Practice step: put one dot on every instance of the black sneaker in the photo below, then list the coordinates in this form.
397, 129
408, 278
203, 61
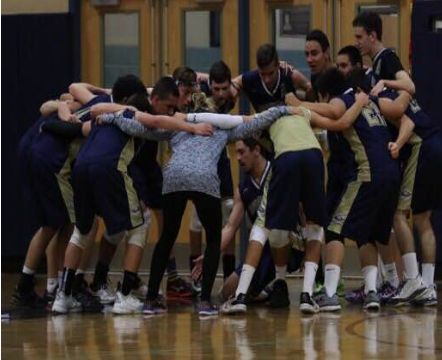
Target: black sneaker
28, 300
89, 302
49, 297
280, 295
307, 304
235, 305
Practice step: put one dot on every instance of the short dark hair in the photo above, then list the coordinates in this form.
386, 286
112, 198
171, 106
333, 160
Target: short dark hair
320, 37
357, 78
140, 101
370, 22
127, 85
185, 76
165, 87
354, 55
265, 148
266, 55
331, 82
219, 73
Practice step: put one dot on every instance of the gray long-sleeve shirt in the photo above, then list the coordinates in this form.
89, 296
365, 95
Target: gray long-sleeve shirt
193, 165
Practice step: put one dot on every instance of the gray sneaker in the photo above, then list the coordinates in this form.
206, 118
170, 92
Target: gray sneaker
327, 303
428, 297
372, 301
408, 291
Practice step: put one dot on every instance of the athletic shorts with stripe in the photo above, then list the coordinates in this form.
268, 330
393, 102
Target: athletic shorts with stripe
296, 177
421, 188
365, 212
106, 192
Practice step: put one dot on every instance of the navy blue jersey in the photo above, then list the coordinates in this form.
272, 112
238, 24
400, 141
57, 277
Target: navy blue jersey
107, 145
146, 156
258, 93
340, 157
368, 139
84, 113
424, 125
251, 193
386, 65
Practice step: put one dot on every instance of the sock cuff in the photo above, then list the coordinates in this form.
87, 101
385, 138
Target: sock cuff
28, 271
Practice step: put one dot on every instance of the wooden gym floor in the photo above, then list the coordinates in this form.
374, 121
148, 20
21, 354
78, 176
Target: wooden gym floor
404, 333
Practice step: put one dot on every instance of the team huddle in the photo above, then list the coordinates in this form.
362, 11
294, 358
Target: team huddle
93, 153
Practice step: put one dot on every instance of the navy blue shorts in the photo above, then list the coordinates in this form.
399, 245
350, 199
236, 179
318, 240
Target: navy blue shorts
24, 160
148, 184
52, 194
421, 188
106, 192
264, 274
365, 212
297, 177
225, 175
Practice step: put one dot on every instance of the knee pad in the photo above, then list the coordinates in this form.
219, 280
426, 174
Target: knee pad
195, 223
279, 238
114, 239
314, 232
227, 207
259, 234
79, 239
137, 236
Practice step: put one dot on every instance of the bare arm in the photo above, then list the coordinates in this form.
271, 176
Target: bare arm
405, 131
347, 120
334, 109
236, 87
394, 109
300, 81
49, 107
402, 82
235, 218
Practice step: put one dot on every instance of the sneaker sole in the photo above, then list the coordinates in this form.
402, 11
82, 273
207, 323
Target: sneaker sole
414, 296
207, 313
58, 310
330, 308
372, 306
236, 309
308, 309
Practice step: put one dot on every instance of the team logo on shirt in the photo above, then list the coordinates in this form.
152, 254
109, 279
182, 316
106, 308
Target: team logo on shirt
339, 218
405, 195
136, 210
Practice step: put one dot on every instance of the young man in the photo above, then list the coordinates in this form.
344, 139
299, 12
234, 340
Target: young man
317, 54
420, 193
366, 208
270, 83
348, 58
387, 70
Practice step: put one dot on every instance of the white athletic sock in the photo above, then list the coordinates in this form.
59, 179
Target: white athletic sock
370, 274
280, 272
51, 284
428, 273
331, 278
28, 271
245, 279
80, 271
309, 276
391, 274
410, 265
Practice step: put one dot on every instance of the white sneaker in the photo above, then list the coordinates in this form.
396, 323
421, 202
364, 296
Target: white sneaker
428, 297
127, 304
65, 303
105, 294
409, 291
141, 292
235, 305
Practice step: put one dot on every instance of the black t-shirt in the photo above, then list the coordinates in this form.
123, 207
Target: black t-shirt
386, 65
